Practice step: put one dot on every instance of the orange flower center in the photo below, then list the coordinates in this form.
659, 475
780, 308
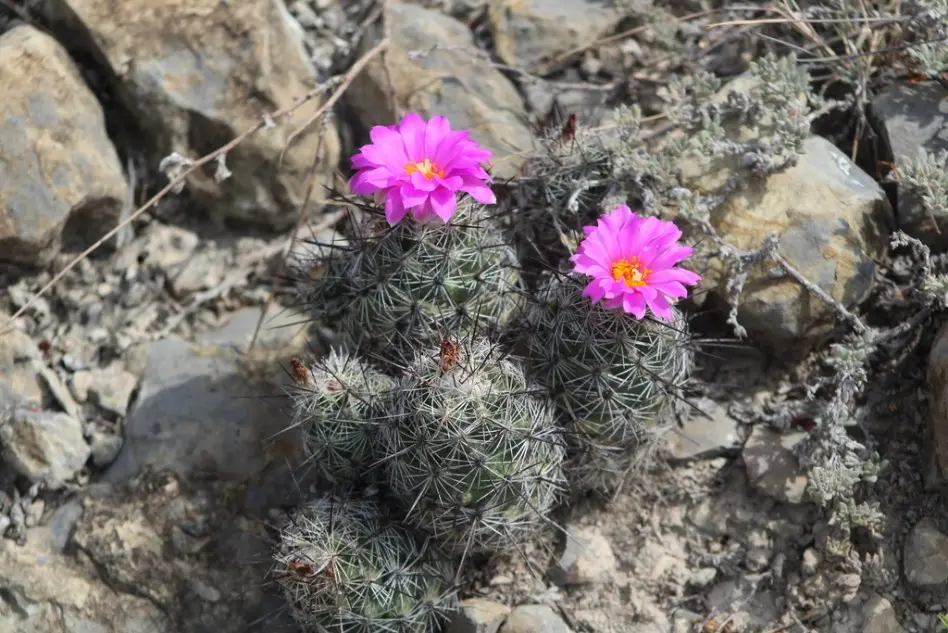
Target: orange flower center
427, 169
629, 270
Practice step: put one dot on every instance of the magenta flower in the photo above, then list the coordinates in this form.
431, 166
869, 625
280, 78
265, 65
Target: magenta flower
420, 167
632, 260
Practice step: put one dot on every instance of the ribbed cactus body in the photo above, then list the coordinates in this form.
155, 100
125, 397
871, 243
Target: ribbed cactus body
611, 376
474, 456
338, 404
399, 286
345, 567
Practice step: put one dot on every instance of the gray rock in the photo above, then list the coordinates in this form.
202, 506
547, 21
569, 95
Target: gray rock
20, 364
435, 68
110, 388
105, 447
50, 594
879, 617
832, 221
57, 163
587, 558
937, 378
910, 117
925, 555
197, 77
159, 246
534, 618
771, 466
201, 408
195, 414
477, 615
43, 446
531, 33
704, 436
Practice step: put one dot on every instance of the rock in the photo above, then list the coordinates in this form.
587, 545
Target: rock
56, 160
435, 69
880, 617
771, 466
43, 446
704, 436
587, 558
20, 363
46, 593
529, 34
201, 271
200, 409
196, 74
105, 448
534, 618
938, 412
925, 555
110, 388
194, 414
909, 117
477, 615
832, 221
159, 246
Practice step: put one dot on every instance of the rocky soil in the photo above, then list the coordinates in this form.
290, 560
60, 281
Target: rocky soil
144, 450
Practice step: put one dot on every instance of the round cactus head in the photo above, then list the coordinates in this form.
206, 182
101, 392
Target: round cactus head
394, 287
345, 567
611, 375
338, 403
474, 456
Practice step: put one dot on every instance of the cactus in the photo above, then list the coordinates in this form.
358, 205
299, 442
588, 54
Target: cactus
475, 457
611, 376
346, 567
338, 404
400, 286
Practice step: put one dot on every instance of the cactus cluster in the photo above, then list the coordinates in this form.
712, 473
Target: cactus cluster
394, 287
472, 452
347, 567
467, 402
339, 404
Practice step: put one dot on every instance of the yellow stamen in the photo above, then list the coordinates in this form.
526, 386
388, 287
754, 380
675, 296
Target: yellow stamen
428, 169
629, 270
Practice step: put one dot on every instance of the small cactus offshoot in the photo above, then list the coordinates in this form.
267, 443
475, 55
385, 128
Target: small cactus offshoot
338, 404
612, 376
399, 286
346, 567
474, 456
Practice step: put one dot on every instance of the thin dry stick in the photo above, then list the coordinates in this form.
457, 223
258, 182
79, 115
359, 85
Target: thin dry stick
618, 36
347, 80
344, 83
301, 211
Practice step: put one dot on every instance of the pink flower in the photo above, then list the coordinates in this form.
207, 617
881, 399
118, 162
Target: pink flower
420, 166
632, 261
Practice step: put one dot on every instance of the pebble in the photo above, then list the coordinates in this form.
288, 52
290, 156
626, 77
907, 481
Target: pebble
705, 434
587, 558
925, 555
477, 615
44, 446
771, 466
880, 617
110, 388
534, 618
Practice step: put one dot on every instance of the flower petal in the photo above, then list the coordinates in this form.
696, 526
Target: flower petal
395, 211
443, 203
412, 130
